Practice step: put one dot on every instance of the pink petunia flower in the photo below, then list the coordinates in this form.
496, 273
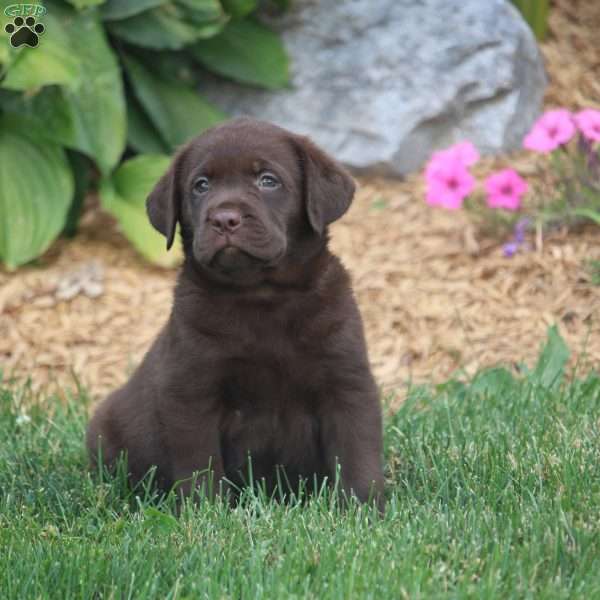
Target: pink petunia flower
465, 152
505, 189
551, 130
448, 183
588, 122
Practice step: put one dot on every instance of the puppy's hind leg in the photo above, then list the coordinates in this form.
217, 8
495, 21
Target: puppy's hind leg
194, 447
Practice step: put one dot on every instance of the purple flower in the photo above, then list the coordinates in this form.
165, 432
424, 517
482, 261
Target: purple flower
521, 228
511, 248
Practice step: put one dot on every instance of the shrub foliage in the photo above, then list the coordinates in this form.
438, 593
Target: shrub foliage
107, 80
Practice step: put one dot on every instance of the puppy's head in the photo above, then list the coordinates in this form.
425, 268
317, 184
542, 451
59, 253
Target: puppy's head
250, 197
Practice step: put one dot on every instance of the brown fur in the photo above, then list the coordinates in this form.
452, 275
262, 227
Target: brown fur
264, 351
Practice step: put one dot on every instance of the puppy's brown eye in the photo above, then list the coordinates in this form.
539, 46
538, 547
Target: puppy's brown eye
201, 185
268, 180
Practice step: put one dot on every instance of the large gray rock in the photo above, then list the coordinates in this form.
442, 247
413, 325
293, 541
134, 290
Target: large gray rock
382, 83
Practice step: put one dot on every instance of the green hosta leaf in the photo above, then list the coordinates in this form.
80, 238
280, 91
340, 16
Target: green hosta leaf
239, 8
48, 112
36, 189
5, 53
202, 11
98, 104
177, 111
155, 28
167, 27
52, 62
248, 52
121, 9
142, 136
553, 359
124, 196
88, 116
175, 65
81, 4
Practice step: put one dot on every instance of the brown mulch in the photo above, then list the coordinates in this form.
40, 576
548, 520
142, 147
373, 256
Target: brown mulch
436, 295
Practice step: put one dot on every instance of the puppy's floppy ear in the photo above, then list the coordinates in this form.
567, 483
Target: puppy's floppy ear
328, 188
164, 202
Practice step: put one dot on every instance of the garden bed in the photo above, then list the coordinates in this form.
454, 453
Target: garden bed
436, 295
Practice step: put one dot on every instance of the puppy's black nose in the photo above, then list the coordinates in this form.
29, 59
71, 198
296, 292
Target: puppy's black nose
225, 221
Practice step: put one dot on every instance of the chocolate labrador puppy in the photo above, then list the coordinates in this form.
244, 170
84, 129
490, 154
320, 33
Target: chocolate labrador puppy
261, 371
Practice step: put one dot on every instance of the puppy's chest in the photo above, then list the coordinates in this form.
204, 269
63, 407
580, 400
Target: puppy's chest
258, 391
266, 412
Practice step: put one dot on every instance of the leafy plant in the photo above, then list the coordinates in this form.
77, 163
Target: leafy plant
569, 194
109, 79
536, 13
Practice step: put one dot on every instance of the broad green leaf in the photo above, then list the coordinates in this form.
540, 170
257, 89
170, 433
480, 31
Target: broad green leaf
142, 136
36, 190
177, 111
175, 65
98, 104
239, 8
89, 116
552, 360
208, 16
5, 53
166, 27
124, 196
121, 9
48, 112
201, 11
247, 52
55, 117
81, 4
54, 61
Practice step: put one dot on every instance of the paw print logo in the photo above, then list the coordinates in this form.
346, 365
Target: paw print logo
24, 32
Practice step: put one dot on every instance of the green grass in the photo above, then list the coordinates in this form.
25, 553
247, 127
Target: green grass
493, 492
